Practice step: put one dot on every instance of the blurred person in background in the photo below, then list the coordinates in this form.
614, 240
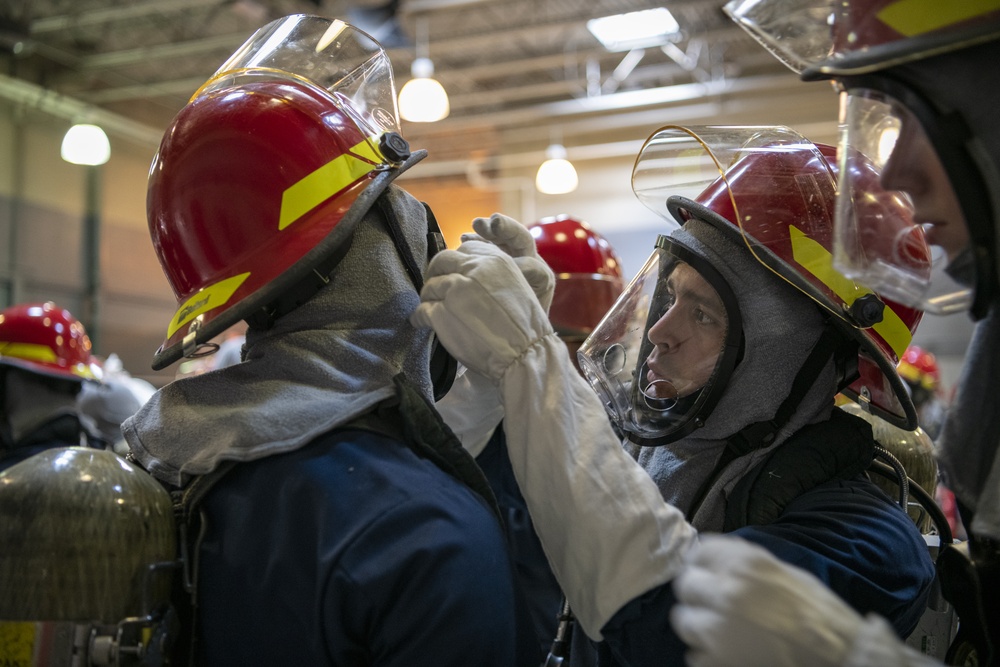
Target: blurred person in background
919, 368
45, 359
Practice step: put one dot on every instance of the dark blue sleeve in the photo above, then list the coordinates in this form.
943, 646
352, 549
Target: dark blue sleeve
852, 537
846, 533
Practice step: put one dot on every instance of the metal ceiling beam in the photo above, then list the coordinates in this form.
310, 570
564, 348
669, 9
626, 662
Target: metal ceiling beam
67, 108
117, 13
599, 107
161, 52
441, 48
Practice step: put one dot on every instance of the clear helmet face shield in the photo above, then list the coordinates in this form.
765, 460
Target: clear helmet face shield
887, 149
326, 53
663, 354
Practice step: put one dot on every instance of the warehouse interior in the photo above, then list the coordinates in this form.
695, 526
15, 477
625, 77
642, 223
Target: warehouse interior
521, 75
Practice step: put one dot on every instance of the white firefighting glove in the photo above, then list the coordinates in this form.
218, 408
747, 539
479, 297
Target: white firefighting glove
476, 297
514, 239
739, 605
602, 522
472, 407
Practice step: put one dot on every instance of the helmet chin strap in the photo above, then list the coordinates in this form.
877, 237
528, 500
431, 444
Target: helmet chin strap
831, 344
443, 366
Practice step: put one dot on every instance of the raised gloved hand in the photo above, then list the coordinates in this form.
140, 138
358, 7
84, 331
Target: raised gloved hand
481, 307
739, 605
472, 407
602, 522
514, 239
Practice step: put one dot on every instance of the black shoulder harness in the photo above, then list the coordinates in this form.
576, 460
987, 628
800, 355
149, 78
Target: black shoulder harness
840, 448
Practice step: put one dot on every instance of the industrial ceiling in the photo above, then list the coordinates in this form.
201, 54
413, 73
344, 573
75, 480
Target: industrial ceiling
519, 73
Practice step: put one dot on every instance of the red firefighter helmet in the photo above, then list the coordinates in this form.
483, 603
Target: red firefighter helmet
46, 339
261, 178
779, 191
588, 273
920, 367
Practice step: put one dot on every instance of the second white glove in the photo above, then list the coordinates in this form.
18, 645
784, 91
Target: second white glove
739, 605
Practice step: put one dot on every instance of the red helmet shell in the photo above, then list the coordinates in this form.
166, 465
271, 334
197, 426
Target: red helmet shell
247, 181
588, 272
784, 202
46, 339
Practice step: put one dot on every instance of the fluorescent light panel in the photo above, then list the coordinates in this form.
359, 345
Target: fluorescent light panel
621, 32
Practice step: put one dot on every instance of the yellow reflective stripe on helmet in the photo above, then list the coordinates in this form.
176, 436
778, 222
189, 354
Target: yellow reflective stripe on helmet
919, 17
818, 261
315, 188
205, 300
29, 351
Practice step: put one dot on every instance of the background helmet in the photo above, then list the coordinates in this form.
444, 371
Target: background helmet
259, 181
45, 339
778, 191
920, 368
588, 273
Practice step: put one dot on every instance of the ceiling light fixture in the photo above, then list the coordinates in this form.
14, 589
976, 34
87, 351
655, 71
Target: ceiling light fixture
635, 30
423, 99
557, 175
86, 144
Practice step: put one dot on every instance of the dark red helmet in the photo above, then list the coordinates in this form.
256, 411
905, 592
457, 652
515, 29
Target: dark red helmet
588, 273
46, 339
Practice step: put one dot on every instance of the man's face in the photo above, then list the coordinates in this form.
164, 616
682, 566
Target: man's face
687, 338
915, 168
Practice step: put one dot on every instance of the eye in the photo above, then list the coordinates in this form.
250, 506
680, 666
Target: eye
702, 317
668, 302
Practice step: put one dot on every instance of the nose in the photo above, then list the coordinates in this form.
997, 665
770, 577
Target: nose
669, 331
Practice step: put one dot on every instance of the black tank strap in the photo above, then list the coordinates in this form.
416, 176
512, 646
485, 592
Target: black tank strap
841, 447
831, 344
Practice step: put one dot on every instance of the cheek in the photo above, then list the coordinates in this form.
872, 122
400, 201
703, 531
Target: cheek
709, 350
